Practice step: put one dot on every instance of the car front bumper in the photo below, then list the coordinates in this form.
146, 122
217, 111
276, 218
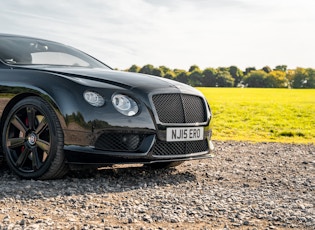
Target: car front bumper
150, 150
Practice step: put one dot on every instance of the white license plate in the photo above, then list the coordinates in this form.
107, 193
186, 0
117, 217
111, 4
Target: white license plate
184, 134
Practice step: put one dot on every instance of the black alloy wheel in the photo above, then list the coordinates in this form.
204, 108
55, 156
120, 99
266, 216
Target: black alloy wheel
33, 140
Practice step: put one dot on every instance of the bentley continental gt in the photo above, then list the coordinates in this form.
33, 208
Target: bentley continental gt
61, 108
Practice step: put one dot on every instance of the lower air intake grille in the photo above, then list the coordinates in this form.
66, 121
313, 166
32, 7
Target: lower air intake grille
119, 142
162, 148
179, 108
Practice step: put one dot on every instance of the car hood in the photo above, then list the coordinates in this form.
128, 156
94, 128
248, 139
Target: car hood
126, 80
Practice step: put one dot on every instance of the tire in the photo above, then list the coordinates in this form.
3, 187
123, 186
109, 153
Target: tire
33, 140
165, 165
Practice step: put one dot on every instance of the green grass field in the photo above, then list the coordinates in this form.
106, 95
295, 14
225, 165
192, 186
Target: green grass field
262, 115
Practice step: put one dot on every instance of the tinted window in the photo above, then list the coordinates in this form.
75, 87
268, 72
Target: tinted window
28, 51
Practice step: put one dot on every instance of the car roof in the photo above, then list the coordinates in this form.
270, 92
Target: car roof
12, 35
23, 36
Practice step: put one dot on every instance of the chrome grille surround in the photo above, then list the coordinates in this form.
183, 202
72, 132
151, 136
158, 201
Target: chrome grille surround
179, 109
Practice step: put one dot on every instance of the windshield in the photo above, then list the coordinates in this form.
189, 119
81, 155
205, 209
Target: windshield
29, 51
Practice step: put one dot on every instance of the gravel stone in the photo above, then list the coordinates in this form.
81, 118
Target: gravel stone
245, 186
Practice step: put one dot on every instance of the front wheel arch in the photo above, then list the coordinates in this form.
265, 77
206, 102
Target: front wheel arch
20, 97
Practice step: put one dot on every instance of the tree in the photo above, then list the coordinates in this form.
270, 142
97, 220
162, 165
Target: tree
303, 78
223, 69
170, 75
181, 76
281, 68
147, 69
256, 78
134, 68
279, 77
267, 69
224, 79
164, 69
310, 78
193, 68
276, 79
299, 78
249, 69
237, 74
290, 77
195, 78
209, 77
157, 72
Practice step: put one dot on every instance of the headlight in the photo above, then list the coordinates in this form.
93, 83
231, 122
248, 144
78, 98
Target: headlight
125, 105
94, 98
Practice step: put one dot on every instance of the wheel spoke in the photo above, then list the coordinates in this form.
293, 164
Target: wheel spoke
44, 145
22, 158
31, 117
15, 142
41, 127
36, 163
16, 121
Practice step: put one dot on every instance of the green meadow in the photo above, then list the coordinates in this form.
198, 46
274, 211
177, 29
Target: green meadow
262, 115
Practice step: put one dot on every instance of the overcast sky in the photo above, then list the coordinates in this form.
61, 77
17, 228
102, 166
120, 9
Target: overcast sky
174, 33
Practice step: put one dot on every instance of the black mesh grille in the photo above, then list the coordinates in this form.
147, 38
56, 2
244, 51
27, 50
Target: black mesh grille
119, 142
194, 109
162, 148
179, 108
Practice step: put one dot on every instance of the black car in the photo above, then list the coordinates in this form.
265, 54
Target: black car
60, 107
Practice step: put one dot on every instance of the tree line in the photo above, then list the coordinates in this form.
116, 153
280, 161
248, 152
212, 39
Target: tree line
279, 77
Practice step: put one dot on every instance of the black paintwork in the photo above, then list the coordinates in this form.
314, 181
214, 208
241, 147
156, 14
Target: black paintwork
82, 124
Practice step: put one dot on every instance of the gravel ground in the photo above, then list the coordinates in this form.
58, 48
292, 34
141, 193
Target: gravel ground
246, 186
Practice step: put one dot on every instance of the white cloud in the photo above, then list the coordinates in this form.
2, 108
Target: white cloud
175, 33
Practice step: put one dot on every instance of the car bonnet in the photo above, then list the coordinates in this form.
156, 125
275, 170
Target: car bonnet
122, 79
